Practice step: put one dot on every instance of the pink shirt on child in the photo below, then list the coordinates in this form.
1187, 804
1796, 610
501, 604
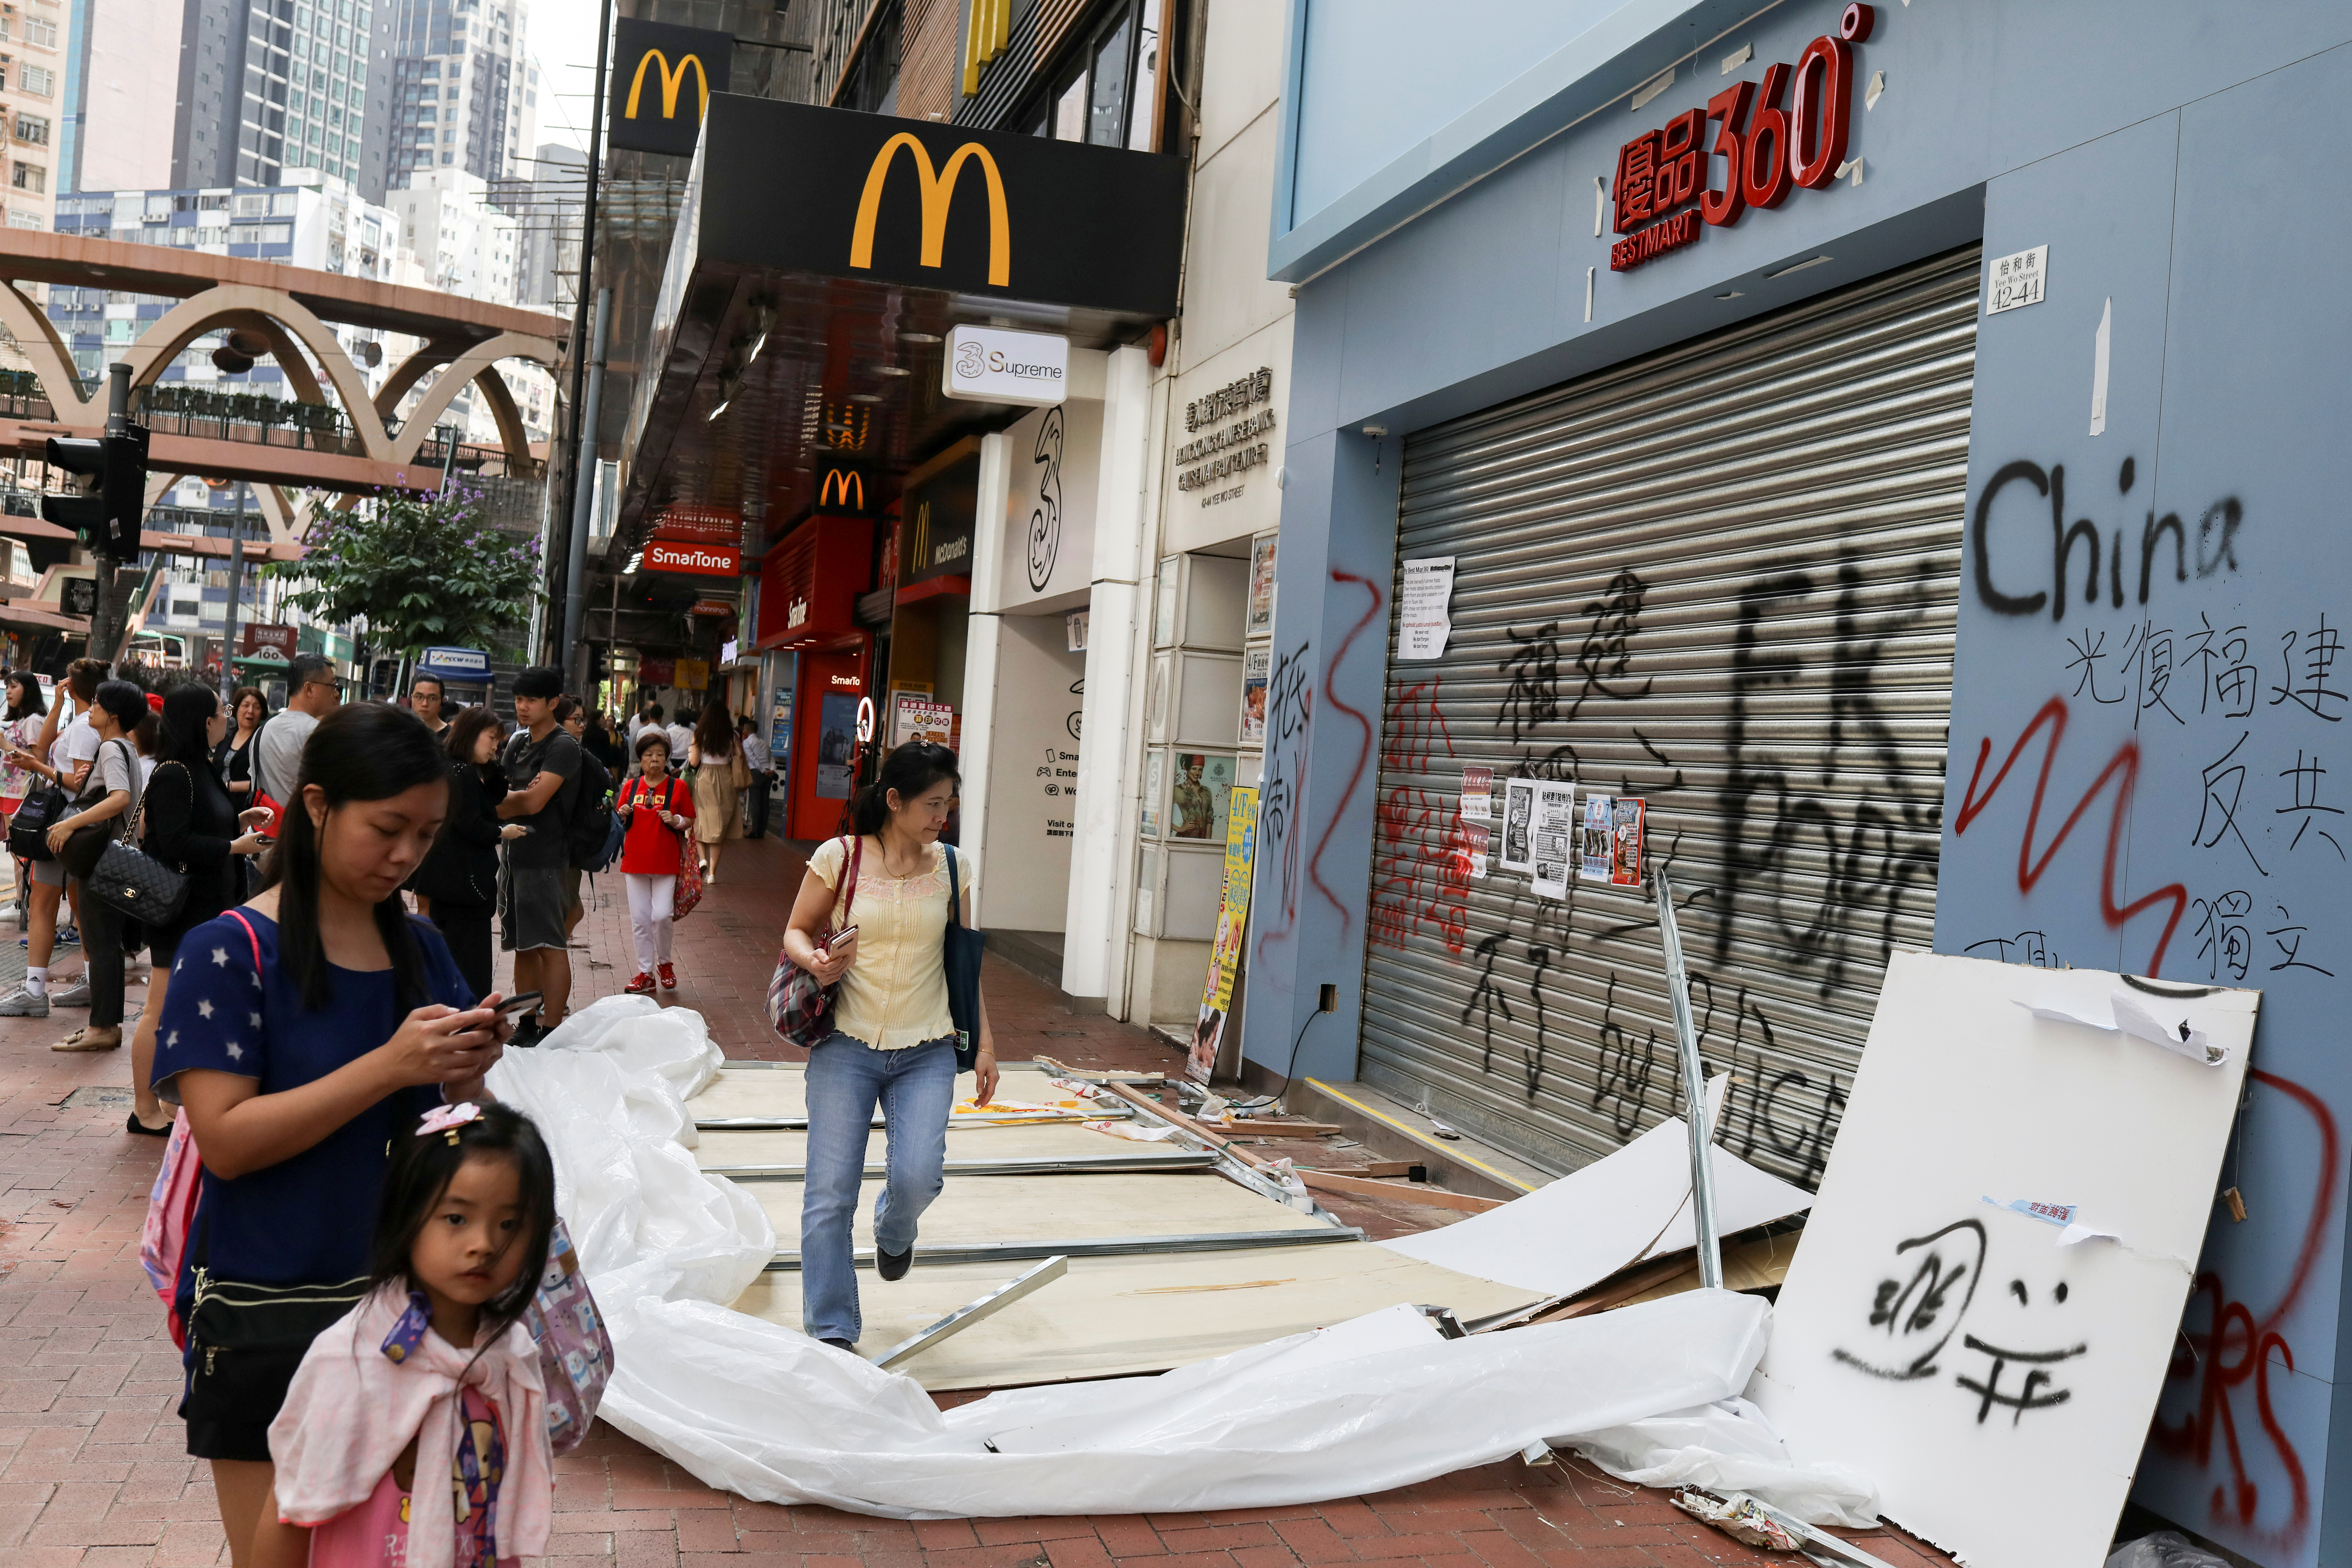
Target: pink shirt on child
375, 1533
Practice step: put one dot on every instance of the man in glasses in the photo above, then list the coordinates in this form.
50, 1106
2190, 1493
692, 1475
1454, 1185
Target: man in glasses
311, 693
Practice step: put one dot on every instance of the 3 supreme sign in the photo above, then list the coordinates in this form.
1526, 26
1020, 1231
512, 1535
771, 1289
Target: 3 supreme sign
696, 559
1767, 149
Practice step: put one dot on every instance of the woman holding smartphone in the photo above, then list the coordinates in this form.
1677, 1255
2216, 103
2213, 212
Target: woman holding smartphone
304, 1031
894, 1038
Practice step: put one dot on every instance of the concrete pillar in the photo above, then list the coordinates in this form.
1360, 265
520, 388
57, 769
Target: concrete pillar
1102, 862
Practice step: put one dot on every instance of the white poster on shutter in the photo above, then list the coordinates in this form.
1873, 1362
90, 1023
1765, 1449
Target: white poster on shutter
1518, 824
1422, 623
1555, 837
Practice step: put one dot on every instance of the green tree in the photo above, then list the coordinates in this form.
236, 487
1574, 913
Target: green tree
424, 572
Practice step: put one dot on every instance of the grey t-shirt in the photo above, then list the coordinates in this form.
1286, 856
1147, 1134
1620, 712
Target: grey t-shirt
278, 753
525, 760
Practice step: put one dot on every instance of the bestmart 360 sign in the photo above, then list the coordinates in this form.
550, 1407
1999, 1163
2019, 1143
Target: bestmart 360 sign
839, 193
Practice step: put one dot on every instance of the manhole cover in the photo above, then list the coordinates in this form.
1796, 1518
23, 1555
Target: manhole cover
96, 1094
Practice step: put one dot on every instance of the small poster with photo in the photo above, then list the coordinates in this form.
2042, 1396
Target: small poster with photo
1626, 843
1472, 852
1593, 851
1555, 837
1478, 794
1519, 825
1201, 794
1256, 664
1261, 585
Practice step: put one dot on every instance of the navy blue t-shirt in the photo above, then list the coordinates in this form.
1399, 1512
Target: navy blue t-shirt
310, 1218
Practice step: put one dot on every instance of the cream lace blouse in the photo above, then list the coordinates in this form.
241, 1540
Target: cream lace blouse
896, 995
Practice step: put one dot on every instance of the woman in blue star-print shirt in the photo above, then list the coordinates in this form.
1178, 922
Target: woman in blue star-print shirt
302, 1030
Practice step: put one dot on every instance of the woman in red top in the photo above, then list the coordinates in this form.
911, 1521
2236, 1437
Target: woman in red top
658, 809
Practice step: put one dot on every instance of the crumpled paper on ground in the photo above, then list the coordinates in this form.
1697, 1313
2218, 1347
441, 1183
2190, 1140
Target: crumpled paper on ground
1379, 1402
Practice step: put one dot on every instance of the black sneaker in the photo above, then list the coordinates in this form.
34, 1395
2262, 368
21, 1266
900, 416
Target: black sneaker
893, 1265
527, 1033
840, 1345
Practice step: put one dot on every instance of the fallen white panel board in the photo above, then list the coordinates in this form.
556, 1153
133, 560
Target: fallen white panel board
1995, 1380
1634, 1204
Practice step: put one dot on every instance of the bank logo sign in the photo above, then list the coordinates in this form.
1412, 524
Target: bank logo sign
662, 82
952, 209
991, 364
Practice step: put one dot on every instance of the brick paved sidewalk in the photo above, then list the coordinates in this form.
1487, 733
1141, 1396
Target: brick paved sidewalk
93, 1473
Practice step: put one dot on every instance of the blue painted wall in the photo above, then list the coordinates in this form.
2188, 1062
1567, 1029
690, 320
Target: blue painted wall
2177, 161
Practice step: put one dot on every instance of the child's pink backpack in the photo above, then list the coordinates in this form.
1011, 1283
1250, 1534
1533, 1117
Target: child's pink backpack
171, 1211
575, 1354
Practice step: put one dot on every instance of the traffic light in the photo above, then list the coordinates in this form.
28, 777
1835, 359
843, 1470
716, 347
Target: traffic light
107, 515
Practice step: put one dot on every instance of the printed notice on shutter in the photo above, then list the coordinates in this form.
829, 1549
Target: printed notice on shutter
1422, 624
1478, 794
1555, 837
1473, 852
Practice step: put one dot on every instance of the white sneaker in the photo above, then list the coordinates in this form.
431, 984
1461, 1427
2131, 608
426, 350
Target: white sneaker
76, 995
23, 1004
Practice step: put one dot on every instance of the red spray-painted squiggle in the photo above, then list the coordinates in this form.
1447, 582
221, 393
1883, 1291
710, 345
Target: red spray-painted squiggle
1363, 751
2123, 766
2254, 1341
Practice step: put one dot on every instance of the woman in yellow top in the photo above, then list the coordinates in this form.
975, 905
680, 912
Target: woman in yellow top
893, 1040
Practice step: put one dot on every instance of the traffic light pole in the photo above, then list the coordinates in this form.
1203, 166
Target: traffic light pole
107, 616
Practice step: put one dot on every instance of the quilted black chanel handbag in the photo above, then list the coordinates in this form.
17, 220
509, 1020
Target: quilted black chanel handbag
134, 881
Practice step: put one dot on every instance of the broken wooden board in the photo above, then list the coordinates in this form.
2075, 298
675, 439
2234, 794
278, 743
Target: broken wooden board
1111, 1316
971, 1211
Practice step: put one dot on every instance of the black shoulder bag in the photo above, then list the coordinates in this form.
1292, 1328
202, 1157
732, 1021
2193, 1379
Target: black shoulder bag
961, 955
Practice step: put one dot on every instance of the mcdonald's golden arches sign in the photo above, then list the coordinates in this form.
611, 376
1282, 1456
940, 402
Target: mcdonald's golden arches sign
663, 80
841, 489
916, 204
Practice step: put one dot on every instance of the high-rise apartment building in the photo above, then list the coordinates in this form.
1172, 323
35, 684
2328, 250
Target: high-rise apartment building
463, 92
267, 87
32, 78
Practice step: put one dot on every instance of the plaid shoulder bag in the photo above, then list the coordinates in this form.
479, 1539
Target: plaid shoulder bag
800, 1009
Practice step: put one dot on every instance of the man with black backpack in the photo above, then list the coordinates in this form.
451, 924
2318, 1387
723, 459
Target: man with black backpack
590, 844
542, 768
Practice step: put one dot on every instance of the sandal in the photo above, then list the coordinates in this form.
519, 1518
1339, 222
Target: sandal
81, 1040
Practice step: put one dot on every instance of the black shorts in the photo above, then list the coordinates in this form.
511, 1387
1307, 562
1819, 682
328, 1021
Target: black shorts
228, 1411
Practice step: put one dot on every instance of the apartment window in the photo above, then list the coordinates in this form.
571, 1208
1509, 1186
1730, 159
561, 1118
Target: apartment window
18, 218
38, 80
44, 32
32, 130
29, 177
1105, 95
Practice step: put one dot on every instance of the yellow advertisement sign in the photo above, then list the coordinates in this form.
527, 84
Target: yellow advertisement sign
693, 674
1233, 932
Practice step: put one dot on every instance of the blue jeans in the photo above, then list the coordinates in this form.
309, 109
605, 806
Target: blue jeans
847, 1077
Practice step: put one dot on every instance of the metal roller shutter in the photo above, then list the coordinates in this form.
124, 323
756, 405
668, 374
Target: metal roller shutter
1721, 578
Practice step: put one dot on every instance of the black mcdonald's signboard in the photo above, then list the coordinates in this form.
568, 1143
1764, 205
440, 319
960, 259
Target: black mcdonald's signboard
663, 80
918, 204
840, 489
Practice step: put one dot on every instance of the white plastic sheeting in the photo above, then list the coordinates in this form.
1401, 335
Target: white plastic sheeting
1731, 1446
754, 1407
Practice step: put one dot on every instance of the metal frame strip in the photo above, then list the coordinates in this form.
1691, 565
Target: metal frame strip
1099, 1247
964, 1316
1087, 1165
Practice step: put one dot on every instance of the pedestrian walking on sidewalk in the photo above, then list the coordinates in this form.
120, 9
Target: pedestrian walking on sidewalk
60, 756
21, 730
190, 825
719, 776
761, 760
893, 1037
426, 699
312, 692
434, 1367
110, 790
459, 879
234, 755
659, 811
542, 768
304, 1032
